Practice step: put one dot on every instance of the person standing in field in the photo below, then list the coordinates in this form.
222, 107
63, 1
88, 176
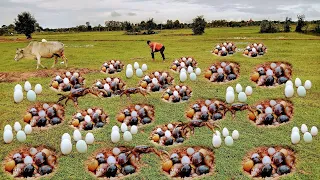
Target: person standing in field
156, 47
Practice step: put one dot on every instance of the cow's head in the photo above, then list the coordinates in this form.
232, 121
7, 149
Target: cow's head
19, 54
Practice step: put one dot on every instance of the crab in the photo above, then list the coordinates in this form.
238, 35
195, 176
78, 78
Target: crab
198, 123
129, 91
239, 107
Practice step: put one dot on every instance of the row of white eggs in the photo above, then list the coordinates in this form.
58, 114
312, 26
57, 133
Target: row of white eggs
31, 95
193, 76
307, 136
81, 145
301, 90
127, 135
242, 96
216, 139
21, 135
139, 72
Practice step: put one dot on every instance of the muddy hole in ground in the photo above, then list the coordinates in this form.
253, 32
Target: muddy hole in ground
90, 119
176, 94
189, 64
255, 50
222, 72
138, 115
207, 110
112, 67
109, 86
224, 49
67, 80
156, 81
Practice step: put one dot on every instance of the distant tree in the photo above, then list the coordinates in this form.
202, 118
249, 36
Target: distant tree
286, 25
198, 25
128, 26
169, 24
150, 26
317, 28
89, 27
301, 23
176, 24
268, 27
25, 24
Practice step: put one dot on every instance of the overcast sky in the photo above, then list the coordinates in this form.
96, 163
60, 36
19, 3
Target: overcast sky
67, 13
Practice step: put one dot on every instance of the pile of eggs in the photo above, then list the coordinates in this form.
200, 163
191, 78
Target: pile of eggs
44, 115
307, 136
67, 81
109, 86
31, 162
254, 50
112, 67
139, 71
242, 96
31, 95
187, 63
139, 114
301, 90
269, 162
127, 134
207, 110
217, 141
81, 145
189, 162
223, 72
271, 74
157, 81
89, 119
114, 162
21, 134
224, 49
170, 134
273, 112
178, 93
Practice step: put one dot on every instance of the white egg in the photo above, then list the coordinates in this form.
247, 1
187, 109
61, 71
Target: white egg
268, 110
17, 126
304, 128
124, 127
108, 79
217, 133
269, 72
164, 74
68, 73
28, 160
228, 141
42, 113
167, 133
271, 151
266, 160
144, 67
254, 50
134, 129
98, 83
18, 86
273, 65
31, 96
129, 66
134, 114
242, 97
156, 73
255, 45
115, 136
223, 49
183, 70
87, 118
238, 88
7, 127
106, 87
175, 93
295, 137
159, 130
314, 131
81, 146
307, 137
204, 109
189, 59
65, 136
66, 81
235, 134
139, 72
220, 70
230, 97
33, 151
27, 86
28, 129
116, 151
190, 69
170, 126
129, 73
298, 82
295, 129
127, 136
111, 160
289, 91
289, 83
272, 102
89, 111
225, 132
185, 160
38, 89
183, 76
66, 146
7, 136
193, 76
190, 151
307, 84
207, 102
248, 91
216, 141
111, 66
89, 138
18, 96
182, 64
198, 71
77, 135
115, 128
136, 65
21, 136
301, 91
155, 81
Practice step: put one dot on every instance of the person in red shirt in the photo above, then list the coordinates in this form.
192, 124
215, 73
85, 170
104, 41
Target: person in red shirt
156, 47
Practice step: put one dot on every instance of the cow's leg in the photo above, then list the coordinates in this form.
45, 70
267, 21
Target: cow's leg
65, 60
39, 62
55, 61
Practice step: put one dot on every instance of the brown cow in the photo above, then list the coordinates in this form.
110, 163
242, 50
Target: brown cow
37, 50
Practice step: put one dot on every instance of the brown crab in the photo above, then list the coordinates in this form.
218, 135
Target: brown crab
239, 107
129, 91
198, 123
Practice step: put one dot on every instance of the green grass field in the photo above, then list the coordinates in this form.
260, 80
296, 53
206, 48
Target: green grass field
90, 50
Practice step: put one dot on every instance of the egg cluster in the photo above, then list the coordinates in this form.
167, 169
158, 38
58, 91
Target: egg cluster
31, 162
228, 140
112, 67
67, 81
301, 89
21, 134
269, 162
223, 72
272, 74
116, 162
254, 50
157, 81
272, 112
224, 49
189, 162
207, 110
109, 86
44, 115
178, 93
307, 136
81, 145
31, 95
139, 114
170, 134
89, 119
187, 63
